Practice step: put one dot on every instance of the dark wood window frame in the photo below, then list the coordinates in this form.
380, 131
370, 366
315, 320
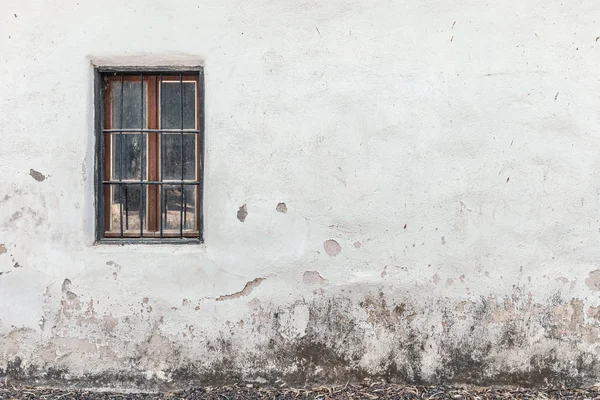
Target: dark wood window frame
152, 220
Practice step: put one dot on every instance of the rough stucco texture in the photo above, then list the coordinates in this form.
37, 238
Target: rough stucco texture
439, 163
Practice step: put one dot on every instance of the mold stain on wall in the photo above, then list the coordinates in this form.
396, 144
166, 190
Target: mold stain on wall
349, 333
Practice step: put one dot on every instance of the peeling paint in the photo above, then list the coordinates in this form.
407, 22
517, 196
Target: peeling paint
331, 337
248, 288
313, 278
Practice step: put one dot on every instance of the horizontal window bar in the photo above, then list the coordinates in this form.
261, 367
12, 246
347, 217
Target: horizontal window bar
151, 130
153, 70
151, 183
184, 240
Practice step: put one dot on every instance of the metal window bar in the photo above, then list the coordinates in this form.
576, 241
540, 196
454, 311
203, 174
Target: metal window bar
151, 130
125, 183
160, 159
142, 163
181, 154
121, 158
126, 209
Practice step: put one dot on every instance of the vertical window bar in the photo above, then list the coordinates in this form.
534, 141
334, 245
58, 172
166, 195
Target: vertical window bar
181, 154
126, 207
142, 143
160, 158
184, 211
121, 159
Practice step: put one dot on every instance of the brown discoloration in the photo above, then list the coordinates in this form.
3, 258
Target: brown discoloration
2, 249
242, 213
281, 207
436, 279
357, 244
248, 288
594, 312
593, 280
109, 323
313, 278
332, 248
38, 176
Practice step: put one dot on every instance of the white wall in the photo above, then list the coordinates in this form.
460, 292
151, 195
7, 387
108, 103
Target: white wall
450, 147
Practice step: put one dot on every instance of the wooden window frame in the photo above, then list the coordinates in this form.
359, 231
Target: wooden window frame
153, 232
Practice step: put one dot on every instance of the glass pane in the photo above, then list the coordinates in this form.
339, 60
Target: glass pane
171, 105
133, 198
173, 212
171, 156
132, 105
129, 156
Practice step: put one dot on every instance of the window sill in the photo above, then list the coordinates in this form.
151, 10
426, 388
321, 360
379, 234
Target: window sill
133, 241
150, 246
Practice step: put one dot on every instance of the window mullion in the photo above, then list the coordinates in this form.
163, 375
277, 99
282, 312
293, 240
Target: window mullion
121, 155
152, 158
142, 145
161, 154
181, 205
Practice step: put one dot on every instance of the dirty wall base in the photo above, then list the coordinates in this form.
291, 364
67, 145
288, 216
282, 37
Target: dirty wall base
352, 334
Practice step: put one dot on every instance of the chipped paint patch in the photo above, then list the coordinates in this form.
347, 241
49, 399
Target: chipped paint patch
248, 288
332, 248
242, 213
38, 176
313, 278
2, 248
593, 280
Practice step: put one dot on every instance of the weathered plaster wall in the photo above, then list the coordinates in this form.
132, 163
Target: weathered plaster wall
439, 162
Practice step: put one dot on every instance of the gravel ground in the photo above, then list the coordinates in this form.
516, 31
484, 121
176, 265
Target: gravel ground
368, 391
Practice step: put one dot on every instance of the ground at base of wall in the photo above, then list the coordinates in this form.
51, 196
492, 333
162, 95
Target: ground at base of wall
367, 390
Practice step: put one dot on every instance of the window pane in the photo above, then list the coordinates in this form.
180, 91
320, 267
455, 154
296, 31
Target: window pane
132, 105
173, 211
171, 156
133, 198
171, 105
130, 149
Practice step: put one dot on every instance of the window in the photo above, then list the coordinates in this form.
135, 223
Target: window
149, 156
